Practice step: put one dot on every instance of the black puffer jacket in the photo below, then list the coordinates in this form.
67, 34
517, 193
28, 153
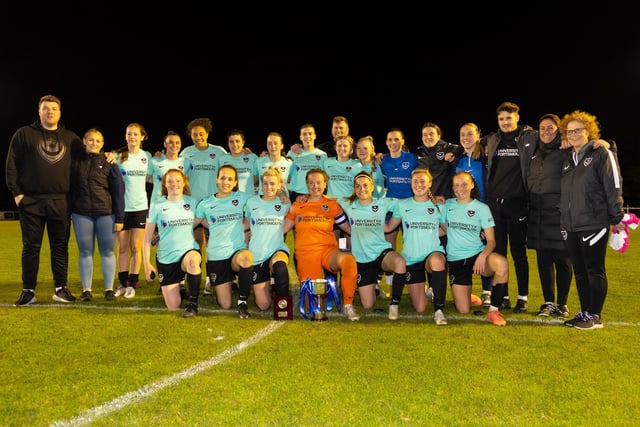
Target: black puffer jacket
543, 187
97, 187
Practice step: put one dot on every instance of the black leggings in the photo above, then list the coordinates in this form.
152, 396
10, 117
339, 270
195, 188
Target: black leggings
554, 268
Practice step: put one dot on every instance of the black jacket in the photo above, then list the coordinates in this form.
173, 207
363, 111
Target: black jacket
97, 187
525, 142
543, 188
328, 147
433, 158
591, 191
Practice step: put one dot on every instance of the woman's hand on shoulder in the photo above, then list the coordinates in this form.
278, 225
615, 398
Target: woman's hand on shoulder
110, 157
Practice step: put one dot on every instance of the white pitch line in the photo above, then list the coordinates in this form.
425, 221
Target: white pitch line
526, 319
145, 391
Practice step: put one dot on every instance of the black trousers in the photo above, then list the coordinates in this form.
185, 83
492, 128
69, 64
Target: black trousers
510, 216
587, 250
36, 214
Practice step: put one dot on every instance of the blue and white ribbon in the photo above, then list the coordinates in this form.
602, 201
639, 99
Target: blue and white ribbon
308, 294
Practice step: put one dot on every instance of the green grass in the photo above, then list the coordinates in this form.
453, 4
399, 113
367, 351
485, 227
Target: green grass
132, 362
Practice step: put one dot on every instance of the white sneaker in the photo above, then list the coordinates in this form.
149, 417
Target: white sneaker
429, 293
393, 312
208, 289
350, 312
120, 291
130, 292
439, 318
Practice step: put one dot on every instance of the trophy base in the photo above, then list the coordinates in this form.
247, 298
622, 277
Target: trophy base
282, 308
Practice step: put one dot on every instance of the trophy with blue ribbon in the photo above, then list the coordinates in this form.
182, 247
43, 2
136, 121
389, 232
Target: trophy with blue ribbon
317, 296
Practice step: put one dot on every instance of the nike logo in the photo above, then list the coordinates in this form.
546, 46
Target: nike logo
165, 209
595, 237
254, 209
524, 218
408, 210
566, 167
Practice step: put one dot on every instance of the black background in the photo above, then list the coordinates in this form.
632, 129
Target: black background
274, 68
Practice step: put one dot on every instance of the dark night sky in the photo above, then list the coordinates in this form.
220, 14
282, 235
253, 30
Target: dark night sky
274, 69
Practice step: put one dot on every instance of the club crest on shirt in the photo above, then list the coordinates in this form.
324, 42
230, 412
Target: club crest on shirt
440, 155
471, 213
325, 208
278, 208
430, 211
212, 156
51, 150
234, 202
406, 165
374, 208
587, 161
187, 207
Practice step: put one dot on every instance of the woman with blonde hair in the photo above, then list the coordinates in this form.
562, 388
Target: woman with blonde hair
266, 215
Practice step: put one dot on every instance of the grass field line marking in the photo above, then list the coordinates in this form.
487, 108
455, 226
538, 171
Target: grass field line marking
145, 391
331, 314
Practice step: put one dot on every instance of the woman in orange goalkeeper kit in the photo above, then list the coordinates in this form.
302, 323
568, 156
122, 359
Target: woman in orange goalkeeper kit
316, 247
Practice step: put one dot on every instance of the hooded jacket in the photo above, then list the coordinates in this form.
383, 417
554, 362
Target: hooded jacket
591, 190
39, 161
524, 142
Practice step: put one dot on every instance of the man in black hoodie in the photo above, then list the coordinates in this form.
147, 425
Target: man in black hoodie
38, 174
